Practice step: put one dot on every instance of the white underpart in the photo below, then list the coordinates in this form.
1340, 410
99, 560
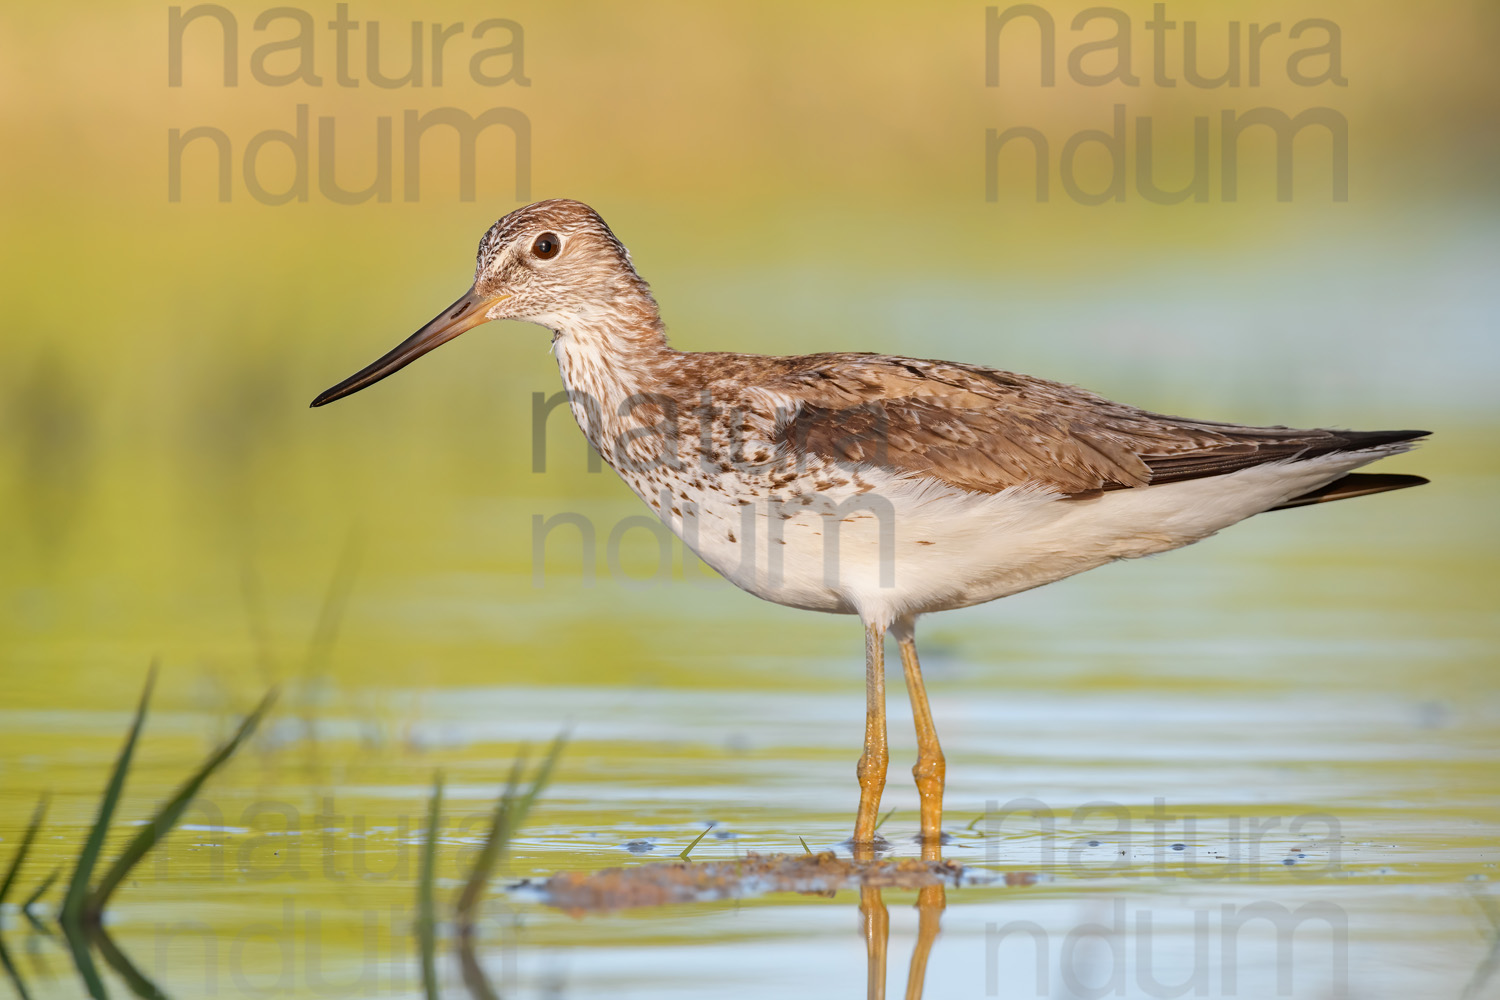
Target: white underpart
916, 545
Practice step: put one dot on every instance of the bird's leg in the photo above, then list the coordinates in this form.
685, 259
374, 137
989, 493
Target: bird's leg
931, 900
877, 930
930, 767
871, 767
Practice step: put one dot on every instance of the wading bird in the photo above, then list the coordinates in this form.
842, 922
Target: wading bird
865, 484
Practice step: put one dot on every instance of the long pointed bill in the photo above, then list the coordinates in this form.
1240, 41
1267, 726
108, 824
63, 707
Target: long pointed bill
465, 314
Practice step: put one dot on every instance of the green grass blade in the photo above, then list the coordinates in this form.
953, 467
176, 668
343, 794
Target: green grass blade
254, 599
167, 816
78, 946
543, 775
475, 981
324, 637
37, 894
804, 845
494, 845
37, 815
74, 903
116, 959
510, 813
426, 909
689, 848
884, 818
1490, 910
335, 603
13, 972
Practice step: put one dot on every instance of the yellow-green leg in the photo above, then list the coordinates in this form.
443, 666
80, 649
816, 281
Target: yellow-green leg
930, 769
872, 763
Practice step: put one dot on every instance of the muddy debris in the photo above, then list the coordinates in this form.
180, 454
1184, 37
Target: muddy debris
754, 875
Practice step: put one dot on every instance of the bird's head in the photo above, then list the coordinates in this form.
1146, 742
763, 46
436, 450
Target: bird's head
554, 263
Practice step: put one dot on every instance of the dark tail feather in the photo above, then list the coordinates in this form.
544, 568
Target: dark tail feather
1355, 484
1353, 440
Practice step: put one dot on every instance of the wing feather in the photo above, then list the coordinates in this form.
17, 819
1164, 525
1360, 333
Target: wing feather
985, 430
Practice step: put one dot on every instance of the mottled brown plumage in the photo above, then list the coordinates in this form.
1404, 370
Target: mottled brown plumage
986, 430
975, 428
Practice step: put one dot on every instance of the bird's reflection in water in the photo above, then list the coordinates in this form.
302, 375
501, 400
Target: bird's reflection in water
876, 924
877, 930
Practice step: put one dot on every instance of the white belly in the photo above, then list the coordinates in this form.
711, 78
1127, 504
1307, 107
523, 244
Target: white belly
910, 546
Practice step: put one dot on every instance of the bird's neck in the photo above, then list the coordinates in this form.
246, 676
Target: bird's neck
610, 360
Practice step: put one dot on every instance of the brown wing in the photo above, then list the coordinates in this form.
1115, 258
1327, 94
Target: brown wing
986, 430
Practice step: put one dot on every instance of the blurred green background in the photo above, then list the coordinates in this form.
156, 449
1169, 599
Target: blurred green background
789, 178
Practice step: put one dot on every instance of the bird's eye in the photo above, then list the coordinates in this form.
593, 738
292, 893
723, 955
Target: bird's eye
546, 246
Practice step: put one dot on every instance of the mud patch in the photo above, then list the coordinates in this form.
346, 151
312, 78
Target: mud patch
821, 874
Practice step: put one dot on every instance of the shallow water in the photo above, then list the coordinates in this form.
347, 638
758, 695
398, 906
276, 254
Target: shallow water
1271, 726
